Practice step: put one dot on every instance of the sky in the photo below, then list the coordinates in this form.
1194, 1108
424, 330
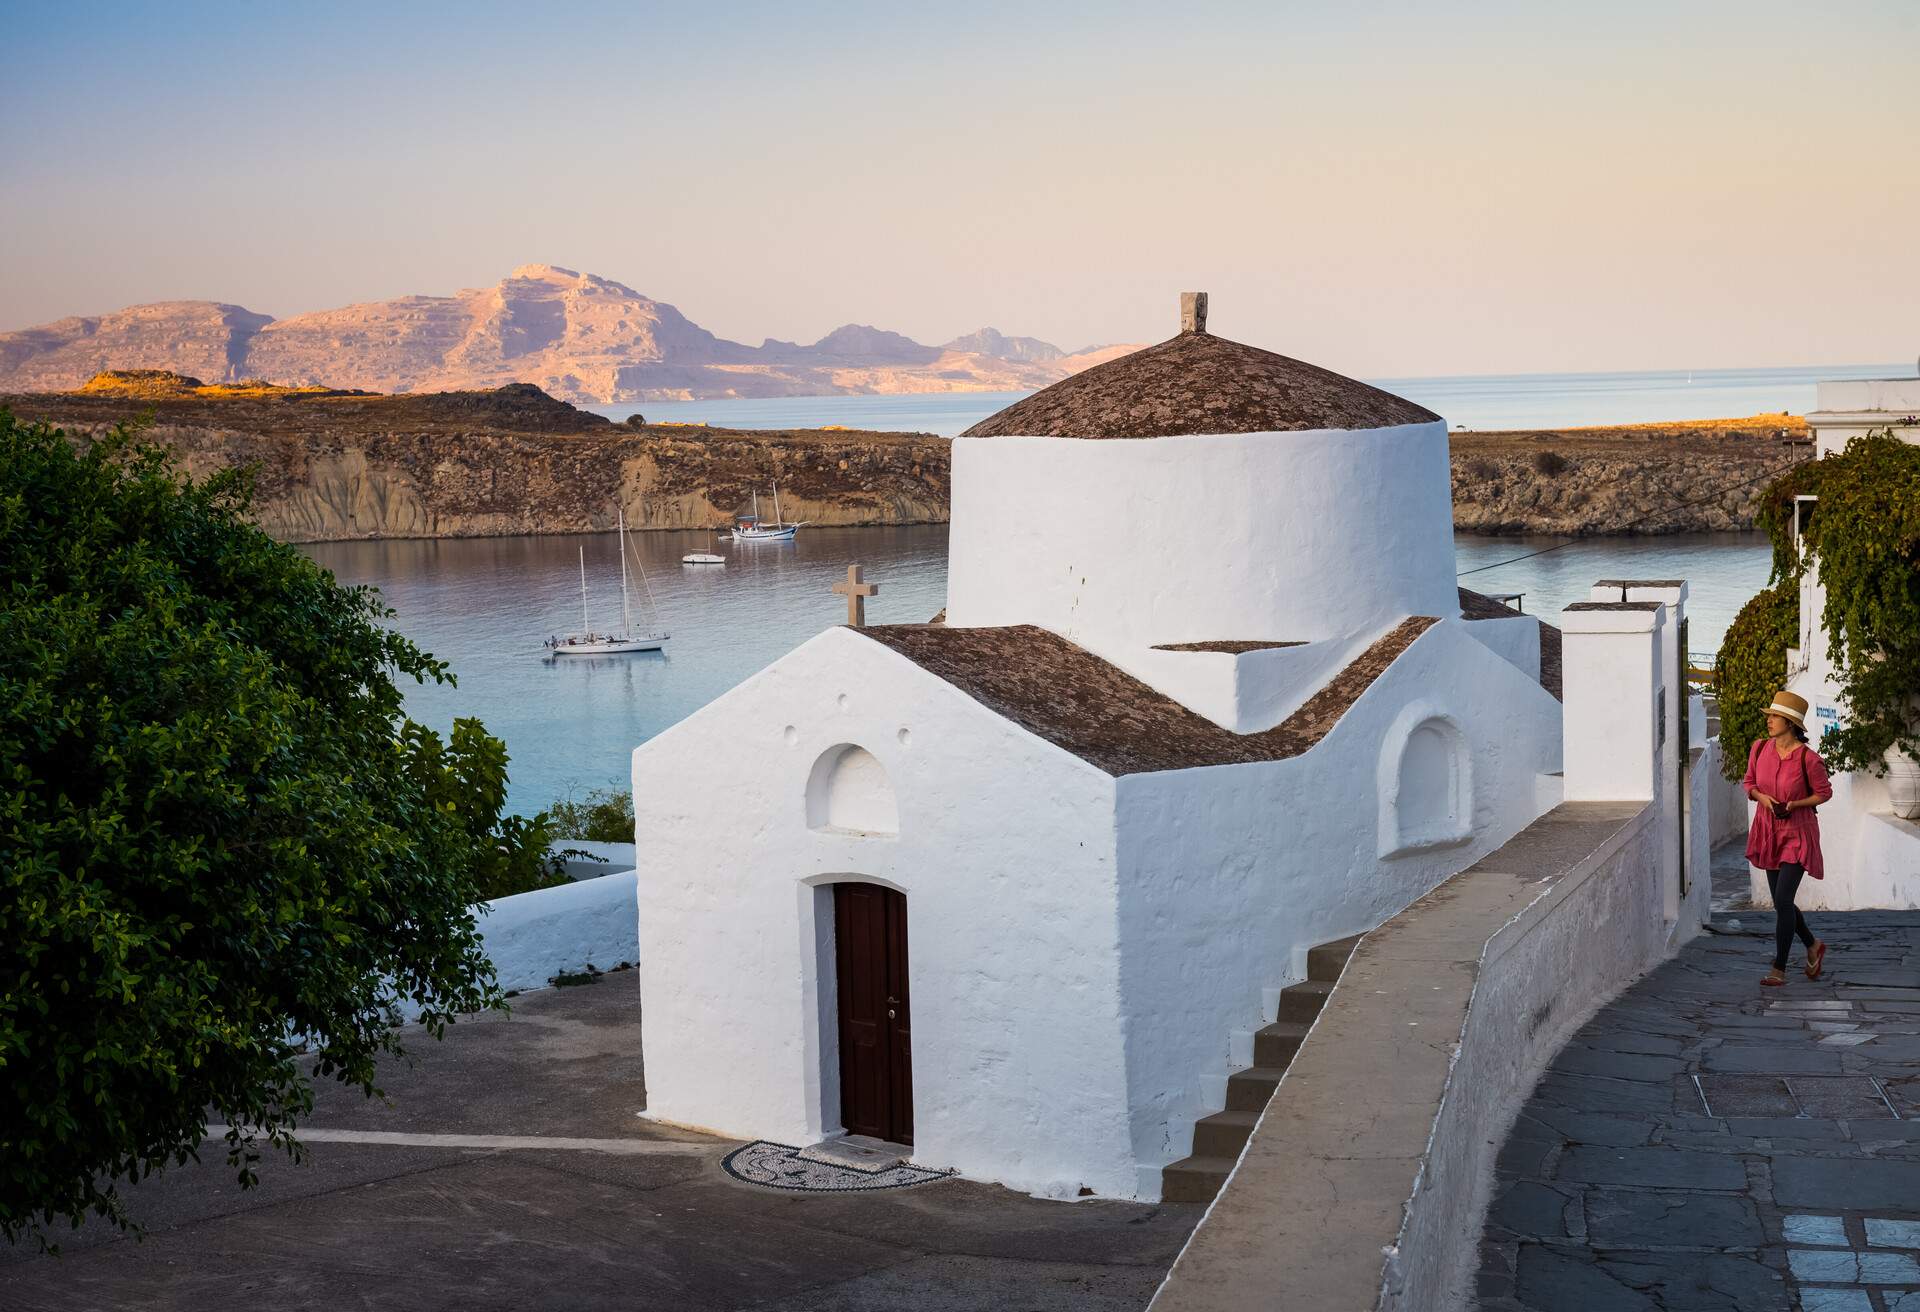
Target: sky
1389, 189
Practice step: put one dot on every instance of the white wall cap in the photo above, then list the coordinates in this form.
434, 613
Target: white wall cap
1671, 591
1612, 617
1873, 398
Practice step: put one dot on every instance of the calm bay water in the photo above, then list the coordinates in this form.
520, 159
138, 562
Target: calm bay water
484, 605
1482, 403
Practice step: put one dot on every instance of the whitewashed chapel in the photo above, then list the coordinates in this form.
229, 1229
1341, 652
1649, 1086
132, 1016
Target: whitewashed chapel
1022, 889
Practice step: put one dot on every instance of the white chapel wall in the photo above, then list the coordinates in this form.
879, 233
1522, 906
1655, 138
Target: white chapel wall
1129, 543
1229, 874
1004, 849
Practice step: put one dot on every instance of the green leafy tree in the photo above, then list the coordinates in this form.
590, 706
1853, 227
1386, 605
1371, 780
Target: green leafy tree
1864, 537
221, 843
603, 815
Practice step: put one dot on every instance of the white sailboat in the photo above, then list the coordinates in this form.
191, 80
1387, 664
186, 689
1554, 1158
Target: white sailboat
749, 528
587, 642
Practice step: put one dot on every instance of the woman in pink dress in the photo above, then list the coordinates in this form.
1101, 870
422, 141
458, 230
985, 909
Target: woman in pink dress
1788, 780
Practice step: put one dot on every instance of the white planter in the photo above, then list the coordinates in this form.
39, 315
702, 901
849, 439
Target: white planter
1903, 784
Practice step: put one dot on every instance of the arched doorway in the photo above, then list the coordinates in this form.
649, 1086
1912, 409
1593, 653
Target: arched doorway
876, 1048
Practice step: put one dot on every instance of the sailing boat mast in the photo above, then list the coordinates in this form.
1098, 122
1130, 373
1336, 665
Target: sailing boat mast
626, 607
586, 625
779, 520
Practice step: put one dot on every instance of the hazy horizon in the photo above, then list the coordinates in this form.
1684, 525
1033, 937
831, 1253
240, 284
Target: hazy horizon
1386, 189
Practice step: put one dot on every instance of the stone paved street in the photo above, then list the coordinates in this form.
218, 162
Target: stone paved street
1705, 1143
509, 1171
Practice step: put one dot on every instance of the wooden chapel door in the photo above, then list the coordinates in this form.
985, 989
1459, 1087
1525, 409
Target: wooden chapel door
876, 1048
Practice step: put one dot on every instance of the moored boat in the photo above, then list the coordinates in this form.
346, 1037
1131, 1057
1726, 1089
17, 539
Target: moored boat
589, 643
751, 528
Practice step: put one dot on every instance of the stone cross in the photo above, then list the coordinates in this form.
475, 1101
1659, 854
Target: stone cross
856, 592
1193, 312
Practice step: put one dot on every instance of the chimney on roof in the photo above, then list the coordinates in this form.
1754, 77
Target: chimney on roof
1193, 312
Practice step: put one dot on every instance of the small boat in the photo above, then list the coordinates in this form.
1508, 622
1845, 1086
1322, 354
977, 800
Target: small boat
702, 558
750, 528
589, 643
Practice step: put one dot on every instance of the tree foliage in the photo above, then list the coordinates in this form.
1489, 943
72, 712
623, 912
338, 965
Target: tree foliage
221, 843
604, 815
1864, 537
1750, 668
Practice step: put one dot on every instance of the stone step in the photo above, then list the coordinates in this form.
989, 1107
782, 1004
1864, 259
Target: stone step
1300, 1003
1195, 1179
1223, 1134
1250, 1087
1276, 1043
1218, 1139
1327, 961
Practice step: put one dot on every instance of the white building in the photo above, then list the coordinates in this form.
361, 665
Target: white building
1872, 856
1019, 888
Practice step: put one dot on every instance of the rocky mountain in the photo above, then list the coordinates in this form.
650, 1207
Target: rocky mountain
577, 336
203, 338
992, 342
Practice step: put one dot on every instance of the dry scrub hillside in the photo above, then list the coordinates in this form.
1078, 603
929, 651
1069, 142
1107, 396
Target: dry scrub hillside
337, 464
1638, 478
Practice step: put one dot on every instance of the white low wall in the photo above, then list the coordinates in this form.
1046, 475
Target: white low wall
531, 937
1542, 976
614, 858
1366, 1181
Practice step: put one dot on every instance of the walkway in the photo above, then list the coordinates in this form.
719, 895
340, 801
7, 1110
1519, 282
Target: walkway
511, 1172
1708, 1144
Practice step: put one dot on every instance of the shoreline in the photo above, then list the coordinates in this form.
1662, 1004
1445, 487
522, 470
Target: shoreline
334, 466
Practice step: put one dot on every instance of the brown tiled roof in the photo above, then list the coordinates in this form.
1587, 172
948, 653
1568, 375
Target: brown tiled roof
1229, 646
1073, 699
1478, 606
1199, 383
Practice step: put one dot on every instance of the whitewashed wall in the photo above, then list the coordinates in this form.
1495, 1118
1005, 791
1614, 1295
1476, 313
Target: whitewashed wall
531, 937
1125, 544
1005, 853
1229, 874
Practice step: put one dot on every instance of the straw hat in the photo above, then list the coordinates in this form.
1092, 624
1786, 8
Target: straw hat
1790, 705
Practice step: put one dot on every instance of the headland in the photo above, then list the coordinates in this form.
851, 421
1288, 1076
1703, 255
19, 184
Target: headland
336, 465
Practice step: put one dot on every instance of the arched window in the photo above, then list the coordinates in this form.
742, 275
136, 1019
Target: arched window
1426, 795
848, 792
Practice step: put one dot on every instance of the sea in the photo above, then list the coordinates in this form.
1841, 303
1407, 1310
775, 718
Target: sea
485, 605
1479, 403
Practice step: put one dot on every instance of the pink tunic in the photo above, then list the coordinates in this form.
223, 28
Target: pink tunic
1772, 840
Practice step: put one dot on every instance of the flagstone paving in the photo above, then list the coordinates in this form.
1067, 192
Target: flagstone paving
510, 1171
1705, 1143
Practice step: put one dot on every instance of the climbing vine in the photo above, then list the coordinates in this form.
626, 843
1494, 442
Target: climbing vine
1753, 657
1865, 538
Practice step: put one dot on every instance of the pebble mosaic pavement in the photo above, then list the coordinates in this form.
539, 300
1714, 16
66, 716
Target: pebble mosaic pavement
1704, 1143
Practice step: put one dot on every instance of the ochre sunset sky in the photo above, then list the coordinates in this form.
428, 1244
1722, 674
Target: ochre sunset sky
1388, 189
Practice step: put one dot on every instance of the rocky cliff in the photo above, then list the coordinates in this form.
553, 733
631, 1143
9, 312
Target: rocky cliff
1693, 477
335, 465
576, 336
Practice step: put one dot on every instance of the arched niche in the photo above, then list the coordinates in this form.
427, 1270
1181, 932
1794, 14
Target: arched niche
848, 792
1426, 783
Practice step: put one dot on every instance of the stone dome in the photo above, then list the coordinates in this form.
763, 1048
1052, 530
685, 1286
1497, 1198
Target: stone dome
1199, 383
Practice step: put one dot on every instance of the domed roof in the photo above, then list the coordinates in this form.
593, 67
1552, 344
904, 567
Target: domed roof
1199, 383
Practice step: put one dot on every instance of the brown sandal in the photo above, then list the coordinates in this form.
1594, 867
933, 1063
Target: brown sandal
1816, 959
1775, 978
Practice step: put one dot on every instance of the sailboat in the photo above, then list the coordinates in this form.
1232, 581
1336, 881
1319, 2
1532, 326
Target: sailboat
748, 528
587, 642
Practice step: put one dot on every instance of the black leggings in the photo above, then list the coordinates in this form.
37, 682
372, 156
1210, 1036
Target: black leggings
1787, 920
